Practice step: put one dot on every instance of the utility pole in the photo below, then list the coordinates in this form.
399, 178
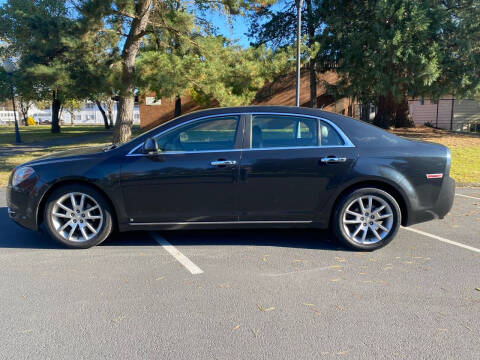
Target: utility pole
299, 37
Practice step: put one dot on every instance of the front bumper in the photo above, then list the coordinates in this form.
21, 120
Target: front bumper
23, 202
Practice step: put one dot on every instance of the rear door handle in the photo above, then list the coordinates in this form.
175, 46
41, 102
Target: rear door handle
333, 160
223, 163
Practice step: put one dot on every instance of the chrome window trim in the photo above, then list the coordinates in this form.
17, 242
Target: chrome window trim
347, 141
239, 115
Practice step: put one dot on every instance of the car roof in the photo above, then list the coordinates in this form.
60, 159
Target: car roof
356, 130
258, 108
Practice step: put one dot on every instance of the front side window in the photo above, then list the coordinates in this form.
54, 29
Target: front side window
277, 131
202, 135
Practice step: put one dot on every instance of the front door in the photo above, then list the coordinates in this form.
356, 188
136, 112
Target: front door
193, 177
282, 176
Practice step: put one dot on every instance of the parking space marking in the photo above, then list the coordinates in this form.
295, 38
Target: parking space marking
471, 248
172, 250
466, 196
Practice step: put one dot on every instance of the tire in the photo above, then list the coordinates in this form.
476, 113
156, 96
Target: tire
349, 222
91, 220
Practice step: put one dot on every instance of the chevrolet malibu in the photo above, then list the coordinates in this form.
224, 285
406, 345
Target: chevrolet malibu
249, 167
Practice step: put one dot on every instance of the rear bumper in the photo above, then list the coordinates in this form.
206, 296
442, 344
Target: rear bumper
440, 208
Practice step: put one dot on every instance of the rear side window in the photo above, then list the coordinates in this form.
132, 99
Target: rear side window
202, 135
329, 136
275, 131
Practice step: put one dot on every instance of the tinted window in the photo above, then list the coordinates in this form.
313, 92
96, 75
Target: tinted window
283, 131
329, 136
210, 134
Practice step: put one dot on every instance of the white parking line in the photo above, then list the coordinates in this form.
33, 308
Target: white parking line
471, 248
466, 196
172, 250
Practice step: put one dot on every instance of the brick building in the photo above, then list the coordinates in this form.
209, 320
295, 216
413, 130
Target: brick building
280, 92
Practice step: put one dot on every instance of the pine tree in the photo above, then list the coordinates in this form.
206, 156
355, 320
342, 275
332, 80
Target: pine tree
388, 51
133, 20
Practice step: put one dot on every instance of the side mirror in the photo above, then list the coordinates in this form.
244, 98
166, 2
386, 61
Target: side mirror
150, 147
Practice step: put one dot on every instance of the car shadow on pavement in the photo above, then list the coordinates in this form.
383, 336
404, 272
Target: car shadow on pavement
290, 238
14, 236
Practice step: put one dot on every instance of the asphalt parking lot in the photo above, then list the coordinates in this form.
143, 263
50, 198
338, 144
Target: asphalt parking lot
265, 294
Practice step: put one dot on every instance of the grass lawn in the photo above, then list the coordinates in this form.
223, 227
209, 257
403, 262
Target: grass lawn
465, 151
7, 163
30, 134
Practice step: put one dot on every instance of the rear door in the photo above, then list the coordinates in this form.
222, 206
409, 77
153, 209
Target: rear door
289, 166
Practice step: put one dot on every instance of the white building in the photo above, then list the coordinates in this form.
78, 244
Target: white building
87, 115
7, 116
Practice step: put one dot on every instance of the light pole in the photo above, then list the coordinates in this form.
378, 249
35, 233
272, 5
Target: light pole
10, 68
299, 36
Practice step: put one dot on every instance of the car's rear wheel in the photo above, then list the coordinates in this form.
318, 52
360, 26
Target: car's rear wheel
366, 219
78, 216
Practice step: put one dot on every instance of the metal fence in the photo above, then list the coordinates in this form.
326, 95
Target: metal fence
7, 117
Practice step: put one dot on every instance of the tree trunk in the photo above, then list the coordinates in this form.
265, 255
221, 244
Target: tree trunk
385, 115
365, 112
55, 113
104, 114
313, 61
178, 106
72, 117
402, 115
110, 111
123, 127
24, 107
393, 114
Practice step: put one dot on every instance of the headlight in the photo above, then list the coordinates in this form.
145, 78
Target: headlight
21, 174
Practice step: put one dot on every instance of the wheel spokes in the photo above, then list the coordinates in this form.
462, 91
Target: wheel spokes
82, 220
67, 209
368, 219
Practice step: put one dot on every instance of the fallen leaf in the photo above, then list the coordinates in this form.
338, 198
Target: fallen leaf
339, 259
160, 278
261, 308
335, 266
335, 279
308, 304
236, 327
265, 258
478, 289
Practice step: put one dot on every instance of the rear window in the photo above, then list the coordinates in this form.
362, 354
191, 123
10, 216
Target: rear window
275, 131
329, 136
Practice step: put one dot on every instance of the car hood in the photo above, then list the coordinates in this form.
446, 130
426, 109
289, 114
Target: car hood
71, 154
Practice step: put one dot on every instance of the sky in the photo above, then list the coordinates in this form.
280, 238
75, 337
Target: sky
235, 30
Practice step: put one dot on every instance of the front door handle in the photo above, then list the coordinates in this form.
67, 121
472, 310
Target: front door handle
223, 163
333, 160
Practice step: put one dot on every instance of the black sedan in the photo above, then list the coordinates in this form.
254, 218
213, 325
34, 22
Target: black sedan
246, 167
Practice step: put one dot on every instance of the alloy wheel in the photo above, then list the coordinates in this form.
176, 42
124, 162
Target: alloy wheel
367, 219
77, 217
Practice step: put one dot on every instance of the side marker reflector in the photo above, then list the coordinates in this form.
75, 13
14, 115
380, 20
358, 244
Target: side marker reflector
434, 176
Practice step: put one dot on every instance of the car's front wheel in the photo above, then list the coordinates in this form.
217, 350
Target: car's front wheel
366, 219
78, 216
